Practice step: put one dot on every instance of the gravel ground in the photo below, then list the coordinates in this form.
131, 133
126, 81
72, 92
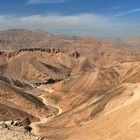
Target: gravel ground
16, 133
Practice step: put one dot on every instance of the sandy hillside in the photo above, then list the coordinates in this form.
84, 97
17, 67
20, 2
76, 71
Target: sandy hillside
69, 87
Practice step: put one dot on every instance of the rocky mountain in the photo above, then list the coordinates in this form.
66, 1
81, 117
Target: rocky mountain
70, 87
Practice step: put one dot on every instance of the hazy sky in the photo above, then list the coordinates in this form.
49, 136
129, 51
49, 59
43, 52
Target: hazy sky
75, 17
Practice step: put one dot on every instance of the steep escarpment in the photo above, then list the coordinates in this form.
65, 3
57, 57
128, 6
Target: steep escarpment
36, 67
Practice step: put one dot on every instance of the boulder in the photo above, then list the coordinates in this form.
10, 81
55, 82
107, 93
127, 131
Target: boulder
28, 128
8, 123
25, 122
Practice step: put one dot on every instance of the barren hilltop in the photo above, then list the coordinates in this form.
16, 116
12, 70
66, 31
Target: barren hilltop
68, 87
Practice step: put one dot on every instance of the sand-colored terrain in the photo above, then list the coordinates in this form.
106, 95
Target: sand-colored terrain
43, 120
71, 88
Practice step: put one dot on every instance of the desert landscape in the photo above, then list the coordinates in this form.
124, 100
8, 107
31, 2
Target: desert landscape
58, 87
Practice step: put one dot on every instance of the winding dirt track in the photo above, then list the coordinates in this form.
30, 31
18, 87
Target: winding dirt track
34, 125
